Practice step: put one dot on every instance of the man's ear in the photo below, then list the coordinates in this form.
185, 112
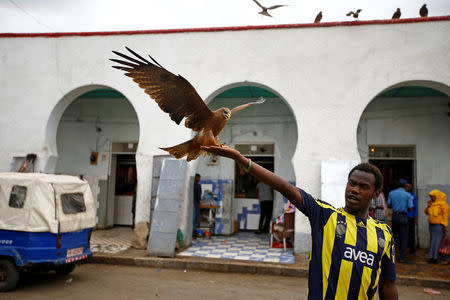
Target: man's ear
377, 193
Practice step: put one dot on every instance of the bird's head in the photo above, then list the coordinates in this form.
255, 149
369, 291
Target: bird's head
226, 113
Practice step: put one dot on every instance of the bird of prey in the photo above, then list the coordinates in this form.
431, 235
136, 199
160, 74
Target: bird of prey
318, 17
177, 97
397, 14
264, 10
423, 11
354, 14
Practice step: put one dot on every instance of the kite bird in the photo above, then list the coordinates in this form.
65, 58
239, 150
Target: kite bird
264, 11
177, 97
397, 14
318, 17
423, 11
354, 14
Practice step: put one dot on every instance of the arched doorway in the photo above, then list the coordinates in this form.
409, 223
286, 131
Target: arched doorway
96, 138
268, 134
405, 131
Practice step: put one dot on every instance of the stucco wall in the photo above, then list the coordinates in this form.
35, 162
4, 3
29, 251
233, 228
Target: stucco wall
327, 75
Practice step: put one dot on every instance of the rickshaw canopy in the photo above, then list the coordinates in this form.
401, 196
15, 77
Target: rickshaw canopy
38, 202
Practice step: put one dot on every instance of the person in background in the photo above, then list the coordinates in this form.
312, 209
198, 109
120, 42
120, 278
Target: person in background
265, 197
412, 221
197, 197
379, 208
437, 211
351, 254
401, 202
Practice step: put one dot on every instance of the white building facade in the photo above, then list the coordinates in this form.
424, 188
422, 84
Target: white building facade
331, 105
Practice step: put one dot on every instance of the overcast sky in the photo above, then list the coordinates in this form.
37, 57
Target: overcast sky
110, 15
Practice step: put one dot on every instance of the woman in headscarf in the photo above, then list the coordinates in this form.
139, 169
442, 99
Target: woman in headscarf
437, 211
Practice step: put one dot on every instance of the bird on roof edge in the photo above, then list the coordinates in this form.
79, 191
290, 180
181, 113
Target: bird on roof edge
397, 14
177, 97
423, 11
354, 14
264, 10
318, 17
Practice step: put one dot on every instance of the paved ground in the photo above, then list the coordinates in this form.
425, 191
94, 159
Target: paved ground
111, 240
240, 246
113, 246
98, 281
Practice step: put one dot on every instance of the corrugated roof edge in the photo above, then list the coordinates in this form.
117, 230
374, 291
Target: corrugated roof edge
233, 28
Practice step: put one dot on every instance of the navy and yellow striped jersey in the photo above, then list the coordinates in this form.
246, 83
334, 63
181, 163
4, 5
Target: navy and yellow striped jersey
349, 254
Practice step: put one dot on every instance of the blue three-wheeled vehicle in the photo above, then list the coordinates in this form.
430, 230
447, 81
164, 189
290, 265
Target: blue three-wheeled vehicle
45, 223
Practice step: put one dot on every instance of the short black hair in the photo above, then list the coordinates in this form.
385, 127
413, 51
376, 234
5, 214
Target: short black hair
369, 168
197, 175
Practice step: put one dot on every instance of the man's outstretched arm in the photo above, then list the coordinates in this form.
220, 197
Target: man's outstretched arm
276, 182
387, 290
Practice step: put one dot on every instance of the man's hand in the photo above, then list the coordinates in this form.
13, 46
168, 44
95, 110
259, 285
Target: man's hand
224, 151
387, 290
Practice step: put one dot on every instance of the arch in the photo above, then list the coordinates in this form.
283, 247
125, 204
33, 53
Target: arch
248, 83
55, 117
90, 121
224, 88
439, 86
241, 131
435, 85
406, 127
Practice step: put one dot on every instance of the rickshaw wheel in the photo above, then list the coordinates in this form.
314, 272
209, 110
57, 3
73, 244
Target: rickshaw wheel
9, 275
65, 269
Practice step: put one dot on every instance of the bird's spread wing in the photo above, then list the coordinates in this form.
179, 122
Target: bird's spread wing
259, 4
174, 94
275, 6
241, 107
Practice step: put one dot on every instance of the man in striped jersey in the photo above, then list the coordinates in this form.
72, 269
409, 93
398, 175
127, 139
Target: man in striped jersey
352, 254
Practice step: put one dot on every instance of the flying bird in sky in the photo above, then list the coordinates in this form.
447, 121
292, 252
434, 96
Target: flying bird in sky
177, 97
264, 10
397, 14
354, 14
423, 11
318, 17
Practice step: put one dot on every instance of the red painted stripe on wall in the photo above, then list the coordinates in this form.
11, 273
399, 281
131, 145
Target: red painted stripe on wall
233, 28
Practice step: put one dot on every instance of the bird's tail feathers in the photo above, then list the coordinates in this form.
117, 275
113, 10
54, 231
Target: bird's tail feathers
183, 149
191, 149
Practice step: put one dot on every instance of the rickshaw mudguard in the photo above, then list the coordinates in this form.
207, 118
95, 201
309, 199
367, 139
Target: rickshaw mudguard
12, 253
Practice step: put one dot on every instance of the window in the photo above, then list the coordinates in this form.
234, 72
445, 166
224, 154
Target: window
73, 203
17, 197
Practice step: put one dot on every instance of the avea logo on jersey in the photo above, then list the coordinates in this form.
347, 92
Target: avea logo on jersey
358, 255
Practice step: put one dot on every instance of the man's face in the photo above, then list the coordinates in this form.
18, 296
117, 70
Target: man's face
359, 192
197, 178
